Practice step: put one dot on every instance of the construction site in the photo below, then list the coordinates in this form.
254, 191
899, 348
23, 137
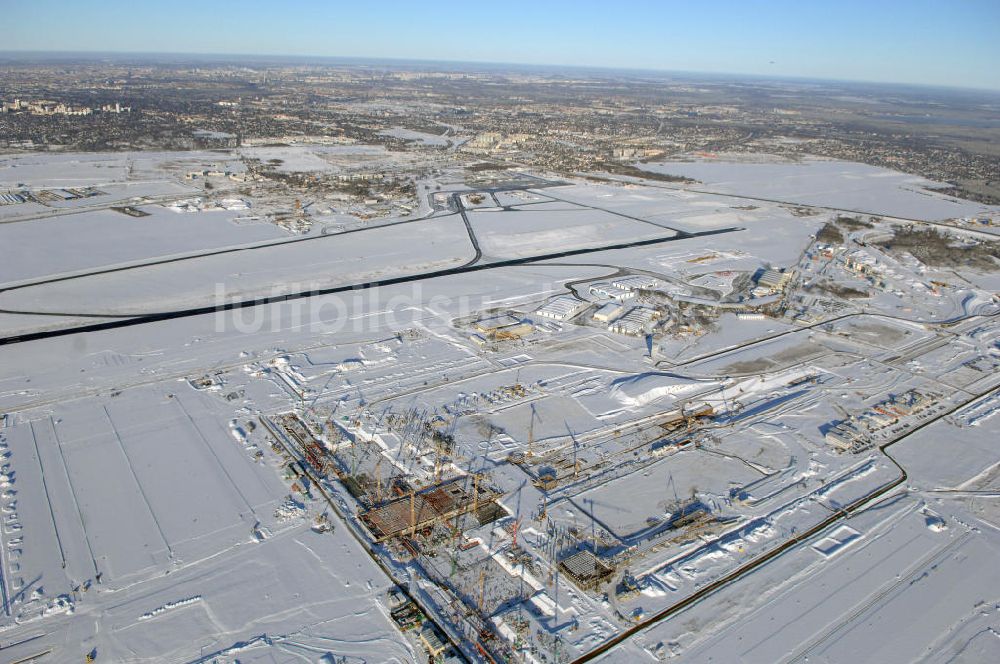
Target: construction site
504, 544
520, 468
349, 360
513, 504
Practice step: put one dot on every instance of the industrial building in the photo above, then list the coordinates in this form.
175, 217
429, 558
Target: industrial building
854, 434
862, 262
608, 312
494, 323
432, 639
846, 436
635, 322
774, 279
586, 569
636, 282
606, 291
563, 307
498, 328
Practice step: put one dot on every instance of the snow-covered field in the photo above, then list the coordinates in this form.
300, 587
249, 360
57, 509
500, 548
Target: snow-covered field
416, 136
910, 579
312, 158
97, 169
104, 238
147, 500
151, 511
530, 232
828, 183
271, 270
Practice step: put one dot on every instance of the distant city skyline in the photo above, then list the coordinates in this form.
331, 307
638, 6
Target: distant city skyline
912, 42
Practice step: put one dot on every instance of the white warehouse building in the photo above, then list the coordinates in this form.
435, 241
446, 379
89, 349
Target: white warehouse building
563, 307
606, 291
636, 282
608, 312
634, 323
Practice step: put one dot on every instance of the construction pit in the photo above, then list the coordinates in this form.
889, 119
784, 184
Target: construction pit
420, 509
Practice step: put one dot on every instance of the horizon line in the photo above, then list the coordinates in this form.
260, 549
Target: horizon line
365, 59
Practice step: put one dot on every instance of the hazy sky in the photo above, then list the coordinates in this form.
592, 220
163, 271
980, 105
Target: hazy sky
953, 42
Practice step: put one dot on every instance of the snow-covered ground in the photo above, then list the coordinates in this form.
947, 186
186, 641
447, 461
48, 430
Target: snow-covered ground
909, 579
270, 270
521, 233
416, 136
149, 511
829, 183
91, 240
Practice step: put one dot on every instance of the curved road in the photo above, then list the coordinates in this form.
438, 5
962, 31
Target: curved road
470, 267
748, 567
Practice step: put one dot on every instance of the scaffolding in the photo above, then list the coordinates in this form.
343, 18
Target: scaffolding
421, 509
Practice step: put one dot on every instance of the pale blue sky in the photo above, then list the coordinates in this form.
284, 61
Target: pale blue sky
954, 42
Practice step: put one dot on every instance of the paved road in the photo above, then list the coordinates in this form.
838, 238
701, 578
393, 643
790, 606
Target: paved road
263, 245
748, 567
457, 199
275, 299
216, 252
680, 187
618, 214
